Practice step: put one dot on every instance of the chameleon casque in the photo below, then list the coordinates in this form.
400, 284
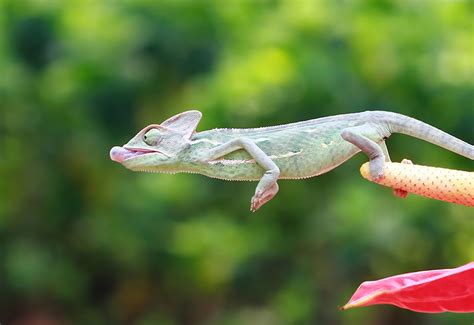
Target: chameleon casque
291, 151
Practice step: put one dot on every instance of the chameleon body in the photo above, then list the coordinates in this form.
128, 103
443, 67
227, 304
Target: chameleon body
291, 151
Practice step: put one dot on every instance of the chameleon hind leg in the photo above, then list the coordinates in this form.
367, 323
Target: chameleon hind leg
267, 187
363, 137
370, 141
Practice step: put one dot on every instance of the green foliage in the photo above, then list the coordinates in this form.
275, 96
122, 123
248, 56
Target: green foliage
85, 241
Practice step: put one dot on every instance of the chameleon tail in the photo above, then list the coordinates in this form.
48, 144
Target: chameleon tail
406, 125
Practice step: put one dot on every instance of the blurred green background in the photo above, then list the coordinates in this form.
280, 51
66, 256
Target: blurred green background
85, 241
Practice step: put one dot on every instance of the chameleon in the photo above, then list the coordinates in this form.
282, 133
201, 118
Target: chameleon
291, 151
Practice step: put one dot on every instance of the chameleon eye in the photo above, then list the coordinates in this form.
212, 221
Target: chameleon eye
152, 137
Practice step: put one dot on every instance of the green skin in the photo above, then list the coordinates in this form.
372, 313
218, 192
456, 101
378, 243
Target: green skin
291, 151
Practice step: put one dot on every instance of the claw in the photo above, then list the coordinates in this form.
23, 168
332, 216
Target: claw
262, 197
377, 177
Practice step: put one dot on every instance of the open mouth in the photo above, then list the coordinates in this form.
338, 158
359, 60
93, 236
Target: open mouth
121, 154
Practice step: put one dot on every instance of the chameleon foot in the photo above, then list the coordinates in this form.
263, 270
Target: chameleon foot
376, 168
262, 197
399, 192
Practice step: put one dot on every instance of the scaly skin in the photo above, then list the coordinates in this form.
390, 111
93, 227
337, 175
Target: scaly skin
291, 151
300, 152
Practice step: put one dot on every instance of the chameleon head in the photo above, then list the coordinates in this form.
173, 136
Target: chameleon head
156, 148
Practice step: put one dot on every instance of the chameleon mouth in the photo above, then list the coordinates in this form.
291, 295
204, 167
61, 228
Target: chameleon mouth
121, 154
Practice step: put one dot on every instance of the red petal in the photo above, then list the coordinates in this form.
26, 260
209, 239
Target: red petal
426, 291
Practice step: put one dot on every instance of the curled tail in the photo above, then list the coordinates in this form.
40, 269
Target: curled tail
406, 125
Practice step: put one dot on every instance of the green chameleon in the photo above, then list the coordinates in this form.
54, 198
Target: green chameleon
291, 151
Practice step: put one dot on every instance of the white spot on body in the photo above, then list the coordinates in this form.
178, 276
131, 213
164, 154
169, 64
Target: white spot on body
229, 162
287, 155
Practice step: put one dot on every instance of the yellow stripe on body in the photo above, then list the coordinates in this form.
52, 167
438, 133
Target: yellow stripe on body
437, 183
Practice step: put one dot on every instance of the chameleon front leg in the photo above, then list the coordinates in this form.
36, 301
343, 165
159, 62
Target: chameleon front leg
267, 186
